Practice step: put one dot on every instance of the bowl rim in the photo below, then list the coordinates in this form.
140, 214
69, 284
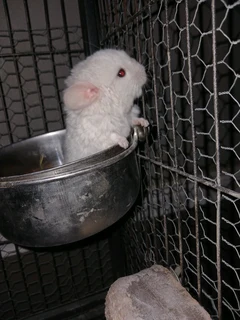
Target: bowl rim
69, 169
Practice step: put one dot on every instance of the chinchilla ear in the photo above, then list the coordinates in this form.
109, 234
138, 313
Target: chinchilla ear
80, 95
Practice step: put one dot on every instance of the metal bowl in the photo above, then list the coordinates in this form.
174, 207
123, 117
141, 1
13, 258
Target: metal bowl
44, 202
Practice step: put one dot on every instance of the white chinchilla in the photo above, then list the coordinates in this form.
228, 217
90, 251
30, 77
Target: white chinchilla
99, 102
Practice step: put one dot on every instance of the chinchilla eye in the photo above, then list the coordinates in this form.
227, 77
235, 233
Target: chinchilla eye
121, 73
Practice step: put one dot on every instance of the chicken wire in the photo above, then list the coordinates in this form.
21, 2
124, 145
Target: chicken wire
188, 213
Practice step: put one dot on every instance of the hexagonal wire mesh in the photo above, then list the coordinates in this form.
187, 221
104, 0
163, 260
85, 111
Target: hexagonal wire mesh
39, 42
189, 210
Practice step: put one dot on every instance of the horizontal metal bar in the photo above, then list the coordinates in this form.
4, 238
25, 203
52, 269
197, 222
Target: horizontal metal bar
4, 242
193, 178
40, 53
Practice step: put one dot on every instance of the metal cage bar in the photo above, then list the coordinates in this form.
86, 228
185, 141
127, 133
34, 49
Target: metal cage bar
197, 228
218, 172
173, 128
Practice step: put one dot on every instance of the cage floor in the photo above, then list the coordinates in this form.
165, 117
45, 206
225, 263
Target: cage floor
91, 308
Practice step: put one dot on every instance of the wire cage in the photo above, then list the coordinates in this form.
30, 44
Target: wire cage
187, 214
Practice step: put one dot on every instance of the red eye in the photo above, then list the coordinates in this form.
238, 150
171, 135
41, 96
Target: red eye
121, 73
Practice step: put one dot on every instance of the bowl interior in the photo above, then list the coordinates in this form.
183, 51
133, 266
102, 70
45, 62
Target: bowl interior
42, 153
32, 155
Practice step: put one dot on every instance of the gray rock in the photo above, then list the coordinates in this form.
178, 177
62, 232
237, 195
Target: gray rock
152, 294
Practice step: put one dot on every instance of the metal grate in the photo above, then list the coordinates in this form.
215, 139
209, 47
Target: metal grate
34, 281
189, 211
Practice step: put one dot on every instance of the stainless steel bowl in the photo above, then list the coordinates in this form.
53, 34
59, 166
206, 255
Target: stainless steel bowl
44, 202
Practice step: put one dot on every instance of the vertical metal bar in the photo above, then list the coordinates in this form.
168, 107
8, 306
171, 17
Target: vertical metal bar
11, 298
139, 48
57, 277
106, 16
233, 140
158, 133
89, 16
101, 18
100, 260
197, 228
135, 38
203, 96
66, 32
166, 238
111, 8
40, 278
72, 276
104, 19
217, 139
35, 65
86, 267
86, 43
174, 141
111, 19
47, 20
6, 112
125, 16
115, 13
126, 38
144, 104
23, 275
148, 163
117, 253
10, 32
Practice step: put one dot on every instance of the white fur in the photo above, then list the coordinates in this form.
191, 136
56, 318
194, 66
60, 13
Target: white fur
102, 116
